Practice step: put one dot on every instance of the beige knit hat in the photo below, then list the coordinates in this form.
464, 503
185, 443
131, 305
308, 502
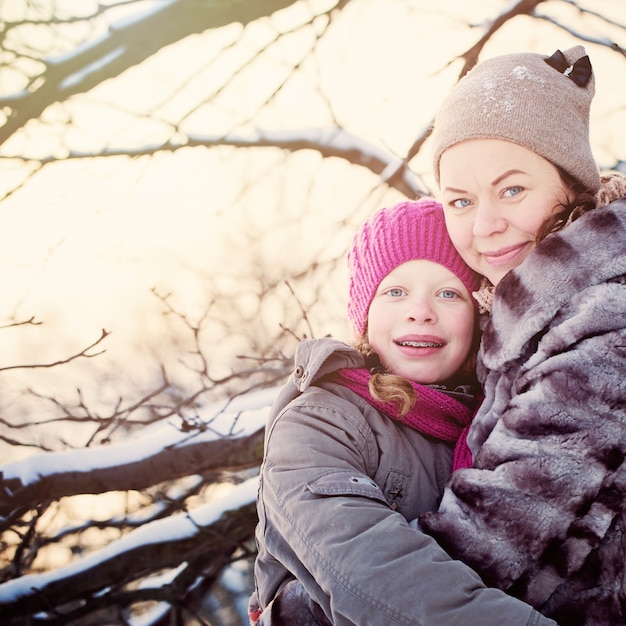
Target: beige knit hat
539, 102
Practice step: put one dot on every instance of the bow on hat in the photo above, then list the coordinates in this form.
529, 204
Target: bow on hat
579, 72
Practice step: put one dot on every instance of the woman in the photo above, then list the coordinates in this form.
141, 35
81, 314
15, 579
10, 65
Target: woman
541, 513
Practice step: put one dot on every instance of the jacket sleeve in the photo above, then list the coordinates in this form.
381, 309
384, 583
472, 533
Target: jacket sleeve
549, 480
335, 532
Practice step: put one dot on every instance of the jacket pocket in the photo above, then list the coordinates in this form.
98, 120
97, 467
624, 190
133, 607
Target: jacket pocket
346, 483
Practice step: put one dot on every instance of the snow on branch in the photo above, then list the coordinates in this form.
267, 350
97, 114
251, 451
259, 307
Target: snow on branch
167, 452
213, 530
333, 141
329, 142
126, 44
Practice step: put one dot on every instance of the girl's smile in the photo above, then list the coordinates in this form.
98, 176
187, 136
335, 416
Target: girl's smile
421, 322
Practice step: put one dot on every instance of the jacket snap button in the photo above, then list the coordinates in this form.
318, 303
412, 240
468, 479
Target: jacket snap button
299, 371
361, 480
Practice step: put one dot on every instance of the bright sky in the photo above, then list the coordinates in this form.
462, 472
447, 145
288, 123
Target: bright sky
84, 242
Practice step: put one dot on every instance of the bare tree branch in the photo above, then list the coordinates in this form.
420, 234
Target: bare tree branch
522, 7
28, 322
328, 142
111, 468
160, 436
179, 538
83, 353
126, 44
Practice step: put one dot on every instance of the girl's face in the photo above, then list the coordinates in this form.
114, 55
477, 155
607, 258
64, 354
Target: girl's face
496, 196
420, 322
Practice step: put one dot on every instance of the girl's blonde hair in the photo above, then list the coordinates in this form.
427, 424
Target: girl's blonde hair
389, 387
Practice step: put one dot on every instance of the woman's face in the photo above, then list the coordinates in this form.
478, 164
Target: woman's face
496, 196
420, 322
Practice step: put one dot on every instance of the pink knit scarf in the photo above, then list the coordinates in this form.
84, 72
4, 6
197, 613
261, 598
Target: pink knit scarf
434, 413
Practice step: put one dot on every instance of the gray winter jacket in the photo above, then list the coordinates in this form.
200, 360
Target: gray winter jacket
541, 513
339, 482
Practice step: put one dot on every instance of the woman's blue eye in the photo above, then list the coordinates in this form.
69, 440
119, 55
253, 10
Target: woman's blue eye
461, 203
513, 191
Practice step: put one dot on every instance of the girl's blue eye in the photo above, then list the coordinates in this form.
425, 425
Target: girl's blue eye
395, 292
448, 294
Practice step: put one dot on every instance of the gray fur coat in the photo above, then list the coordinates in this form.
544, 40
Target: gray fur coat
541, 513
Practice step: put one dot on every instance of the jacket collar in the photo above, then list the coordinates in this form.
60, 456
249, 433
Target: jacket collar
317, 357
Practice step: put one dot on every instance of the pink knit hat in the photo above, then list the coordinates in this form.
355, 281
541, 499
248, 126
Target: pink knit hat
392, 236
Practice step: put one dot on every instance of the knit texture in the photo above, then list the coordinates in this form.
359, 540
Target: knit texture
612, 187
434, 413
392, 236
520, 98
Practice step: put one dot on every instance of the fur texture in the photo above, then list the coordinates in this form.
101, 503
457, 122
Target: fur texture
541, 513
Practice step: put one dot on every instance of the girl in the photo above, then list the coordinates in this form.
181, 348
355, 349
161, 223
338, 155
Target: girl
361, 439
541, 513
